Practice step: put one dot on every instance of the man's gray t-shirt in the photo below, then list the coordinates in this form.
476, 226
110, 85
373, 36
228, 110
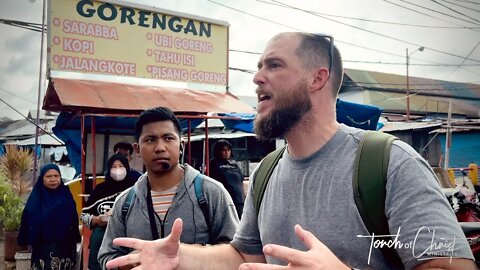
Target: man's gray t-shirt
316, 192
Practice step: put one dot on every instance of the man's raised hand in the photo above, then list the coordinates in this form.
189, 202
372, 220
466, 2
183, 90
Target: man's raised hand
151, 254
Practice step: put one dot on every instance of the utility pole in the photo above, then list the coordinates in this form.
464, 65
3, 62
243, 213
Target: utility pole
408, 80
448, 137
40, 75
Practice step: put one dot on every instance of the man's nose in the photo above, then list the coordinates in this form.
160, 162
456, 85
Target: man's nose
259, 77
160, 146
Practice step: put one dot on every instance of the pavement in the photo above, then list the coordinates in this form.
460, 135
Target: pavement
2, 252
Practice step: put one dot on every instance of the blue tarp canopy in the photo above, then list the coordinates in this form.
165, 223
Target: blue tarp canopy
358, 115
68, 127
351, 114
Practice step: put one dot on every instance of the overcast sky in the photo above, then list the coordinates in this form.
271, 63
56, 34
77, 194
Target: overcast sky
367, 32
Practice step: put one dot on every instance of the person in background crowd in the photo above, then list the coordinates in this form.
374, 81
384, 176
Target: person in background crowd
126, 149
96, 213
50, 223
223, 169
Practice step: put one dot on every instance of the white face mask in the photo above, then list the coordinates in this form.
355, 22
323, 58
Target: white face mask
118, 174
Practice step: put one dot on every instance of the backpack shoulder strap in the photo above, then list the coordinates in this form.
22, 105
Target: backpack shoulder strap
263, 174
202, 202
369, 183
128, 201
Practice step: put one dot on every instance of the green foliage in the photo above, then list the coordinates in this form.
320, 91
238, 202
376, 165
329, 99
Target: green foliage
11, 206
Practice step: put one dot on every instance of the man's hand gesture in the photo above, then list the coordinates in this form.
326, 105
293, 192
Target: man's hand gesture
151, 254
317, 257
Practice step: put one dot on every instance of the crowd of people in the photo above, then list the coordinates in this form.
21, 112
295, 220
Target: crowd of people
174, 217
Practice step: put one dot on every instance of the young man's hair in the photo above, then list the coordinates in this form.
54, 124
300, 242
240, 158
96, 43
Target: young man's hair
123, 145
156, 115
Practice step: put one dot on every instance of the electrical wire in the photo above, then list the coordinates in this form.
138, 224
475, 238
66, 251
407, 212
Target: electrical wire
466, 57
37, 27
421, 92
31, 121
454, 10
382, 22
458, 5
470, 2
356, 83
378, 62
436, 11
18, 96
375, 33
243, 70
296, 29
422, 13
474, 87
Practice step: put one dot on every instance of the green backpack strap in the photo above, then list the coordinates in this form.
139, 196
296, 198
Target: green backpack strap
263, 174
369, 184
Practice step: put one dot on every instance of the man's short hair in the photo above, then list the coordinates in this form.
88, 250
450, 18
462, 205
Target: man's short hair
314, 50
156, 115
123, 145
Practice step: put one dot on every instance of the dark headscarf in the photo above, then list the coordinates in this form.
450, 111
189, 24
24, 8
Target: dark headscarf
218, 147
49, 215
110, 186
111, 160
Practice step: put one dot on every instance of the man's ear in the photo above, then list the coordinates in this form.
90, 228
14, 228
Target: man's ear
320, 79
136, 147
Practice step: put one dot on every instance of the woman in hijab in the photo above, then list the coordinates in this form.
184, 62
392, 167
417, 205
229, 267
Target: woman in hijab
50, 223
227, 172
97, 211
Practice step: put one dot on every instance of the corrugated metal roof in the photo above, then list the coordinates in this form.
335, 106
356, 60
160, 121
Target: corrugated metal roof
234, 135
45, 139
399, 126
388, 91
115, 98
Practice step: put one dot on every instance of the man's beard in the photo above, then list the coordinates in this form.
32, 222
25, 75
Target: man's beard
288, 111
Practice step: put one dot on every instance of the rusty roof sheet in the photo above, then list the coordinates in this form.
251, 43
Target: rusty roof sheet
115, 98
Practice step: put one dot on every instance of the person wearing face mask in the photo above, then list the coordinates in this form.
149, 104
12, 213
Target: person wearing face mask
97, 210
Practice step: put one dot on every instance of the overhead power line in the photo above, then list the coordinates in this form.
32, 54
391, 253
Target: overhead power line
458, 5
296, 29
13, 94
466, 57
452, 86
422, 13
439, 12
37, 27
468, 1
382, 22
454, 10
379, 62
31, 121
243, 70
375, 33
